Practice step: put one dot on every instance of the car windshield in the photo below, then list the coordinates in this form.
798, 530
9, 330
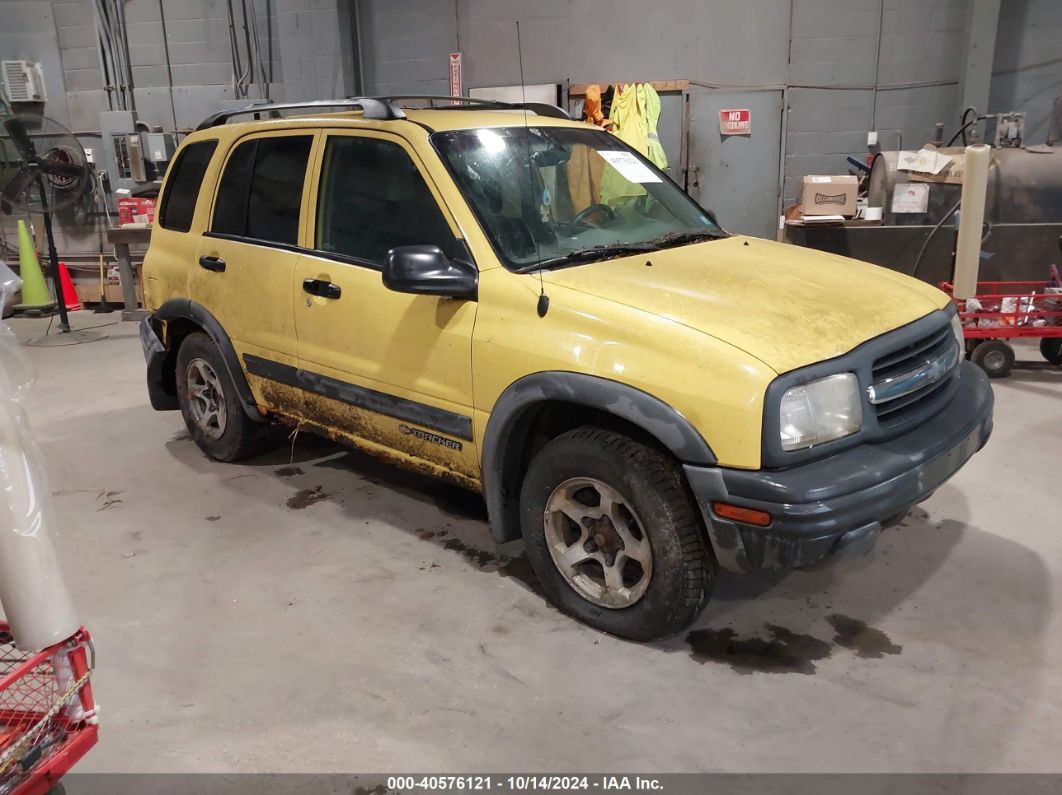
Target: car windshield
556, 196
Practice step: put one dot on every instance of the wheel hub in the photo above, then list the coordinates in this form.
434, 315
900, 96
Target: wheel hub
598, 543
206, 399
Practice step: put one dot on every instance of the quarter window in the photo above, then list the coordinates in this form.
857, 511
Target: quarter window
182, 188
372, 198
261, 190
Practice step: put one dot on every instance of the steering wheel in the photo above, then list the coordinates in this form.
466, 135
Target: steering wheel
585, 213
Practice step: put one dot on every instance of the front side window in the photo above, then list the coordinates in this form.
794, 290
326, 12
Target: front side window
182, 187
261, 189
553, 196
372, 198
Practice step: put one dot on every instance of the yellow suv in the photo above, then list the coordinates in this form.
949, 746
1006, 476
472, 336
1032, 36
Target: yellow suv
522, 304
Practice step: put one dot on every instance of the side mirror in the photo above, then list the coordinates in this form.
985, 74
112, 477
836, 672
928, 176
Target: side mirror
425, 270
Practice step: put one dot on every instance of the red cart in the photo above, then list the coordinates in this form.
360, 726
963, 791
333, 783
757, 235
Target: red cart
47, 715
1005, 310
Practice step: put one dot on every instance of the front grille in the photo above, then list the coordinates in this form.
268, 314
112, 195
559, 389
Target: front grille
918, 365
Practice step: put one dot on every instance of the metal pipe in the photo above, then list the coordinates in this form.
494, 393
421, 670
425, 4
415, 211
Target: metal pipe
247, 43
234, 49
877, 68
169, 65
124, 34
269, 39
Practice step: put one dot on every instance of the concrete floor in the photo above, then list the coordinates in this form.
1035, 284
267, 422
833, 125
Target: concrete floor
316, 611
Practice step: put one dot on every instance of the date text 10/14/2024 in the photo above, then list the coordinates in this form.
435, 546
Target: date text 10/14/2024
522, 783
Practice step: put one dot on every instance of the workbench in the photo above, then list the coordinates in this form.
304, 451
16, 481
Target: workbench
121, 238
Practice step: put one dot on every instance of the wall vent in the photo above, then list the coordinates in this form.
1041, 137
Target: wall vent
23, 81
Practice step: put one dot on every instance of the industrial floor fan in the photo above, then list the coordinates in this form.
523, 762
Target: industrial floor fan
43, 169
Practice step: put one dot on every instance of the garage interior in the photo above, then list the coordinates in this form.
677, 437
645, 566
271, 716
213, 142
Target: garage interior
316, 610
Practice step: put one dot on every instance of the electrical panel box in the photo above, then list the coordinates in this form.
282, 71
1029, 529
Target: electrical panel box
118, 128
158, 149
23, 82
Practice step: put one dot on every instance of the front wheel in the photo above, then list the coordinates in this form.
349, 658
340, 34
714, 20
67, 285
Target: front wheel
613, 536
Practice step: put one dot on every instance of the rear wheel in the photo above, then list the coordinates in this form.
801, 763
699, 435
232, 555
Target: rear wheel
1051, 349
995, 357
613, 536
211, 406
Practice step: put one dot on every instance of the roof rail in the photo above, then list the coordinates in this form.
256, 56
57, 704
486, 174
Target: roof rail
374, 108
475, 103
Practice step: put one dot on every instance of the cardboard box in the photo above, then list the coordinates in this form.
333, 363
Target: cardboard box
829, 195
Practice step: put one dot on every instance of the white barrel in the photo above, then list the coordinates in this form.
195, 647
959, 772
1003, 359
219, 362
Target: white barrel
971, 221
33, 594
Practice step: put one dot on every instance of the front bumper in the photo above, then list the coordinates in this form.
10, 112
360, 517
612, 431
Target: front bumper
837, 506
162, 399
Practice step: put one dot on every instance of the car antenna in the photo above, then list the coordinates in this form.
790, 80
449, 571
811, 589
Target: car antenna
543, 299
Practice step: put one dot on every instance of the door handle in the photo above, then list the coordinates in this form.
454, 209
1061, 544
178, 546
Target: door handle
215, 264
321, 288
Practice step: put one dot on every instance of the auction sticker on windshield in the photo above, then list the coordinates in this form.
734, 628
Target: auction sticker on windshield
629, 167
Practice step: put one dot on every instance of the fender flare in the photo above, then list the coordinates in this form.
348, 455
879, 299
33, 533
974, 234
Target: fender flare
501, 460
187, 309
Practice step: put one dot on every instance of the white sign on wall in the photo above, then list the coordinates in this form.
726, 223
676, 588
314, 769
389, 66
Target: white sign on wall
456, 78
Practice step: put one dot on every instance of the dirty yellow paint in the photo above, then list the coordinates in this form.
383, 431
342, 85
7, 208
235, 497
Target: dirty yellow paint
704, 328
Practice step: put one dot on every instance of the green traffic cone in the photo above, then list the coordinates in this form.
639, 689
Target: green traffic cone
35, 293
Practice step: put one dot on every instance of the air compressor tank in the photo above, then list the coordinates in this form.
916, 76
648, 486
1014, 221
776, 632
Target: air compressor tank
1024, 186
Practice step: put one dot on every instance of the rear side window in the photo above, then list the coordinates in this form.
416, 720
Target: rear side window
261, 190
182, 187
372, 198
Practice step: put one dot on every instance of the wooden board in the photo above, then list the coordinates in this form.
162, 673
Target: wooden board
89, 293
579, 89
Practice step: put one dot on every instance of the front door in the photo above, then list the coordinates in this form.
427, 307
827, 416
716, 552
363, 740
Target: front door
245, 263
391, 371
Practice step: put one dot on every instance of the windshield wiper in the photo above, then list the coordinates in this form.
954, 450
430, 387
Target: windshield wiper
684, 238
590, 254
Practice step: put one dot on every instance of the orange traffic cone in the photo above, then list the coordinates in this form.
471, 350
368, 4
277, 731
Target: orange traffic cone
69, 294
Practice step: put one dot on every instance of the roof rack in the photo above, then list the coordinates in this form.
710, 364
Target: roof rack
475, 103
374, 108
382, 108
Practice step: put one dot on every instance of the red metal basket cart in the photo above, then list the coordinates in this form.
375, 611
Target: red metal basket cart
1007, 310
47, 715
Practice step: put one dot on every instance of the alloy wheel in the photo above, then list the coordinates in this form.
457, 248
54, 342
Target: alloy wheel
206, 398
598, 542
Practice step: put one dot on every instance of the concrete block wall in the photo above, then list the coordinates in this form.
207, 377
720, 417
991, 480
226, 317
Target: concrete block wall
1027, 73
825, 53
834, 46
306, 46
61, 34
828, 57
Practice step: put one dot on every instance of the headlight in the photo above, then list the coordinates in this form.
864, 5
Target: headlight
956, 329
820, 411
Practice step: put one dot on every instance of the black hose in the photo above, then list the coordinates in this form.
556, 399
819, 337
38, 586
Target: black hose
962, 131
932, 232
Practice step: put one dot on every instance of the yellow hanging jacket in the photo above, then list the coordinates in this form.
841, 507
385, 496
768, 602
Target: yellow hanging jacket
635, 113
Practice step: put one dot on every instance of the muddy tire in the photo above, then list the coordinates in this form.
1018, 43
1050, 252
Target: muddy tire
613, 536
211, 406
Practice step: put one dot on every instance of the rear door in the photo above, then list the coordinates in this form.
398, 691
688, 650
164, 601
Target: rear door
388, 368
245, 262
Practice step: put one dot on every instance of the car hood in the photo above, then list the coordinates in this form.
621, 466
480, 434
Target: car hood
786, 305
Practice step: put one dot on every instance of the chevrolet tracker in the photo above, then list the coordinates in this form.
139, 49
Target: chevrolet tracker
523, 305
